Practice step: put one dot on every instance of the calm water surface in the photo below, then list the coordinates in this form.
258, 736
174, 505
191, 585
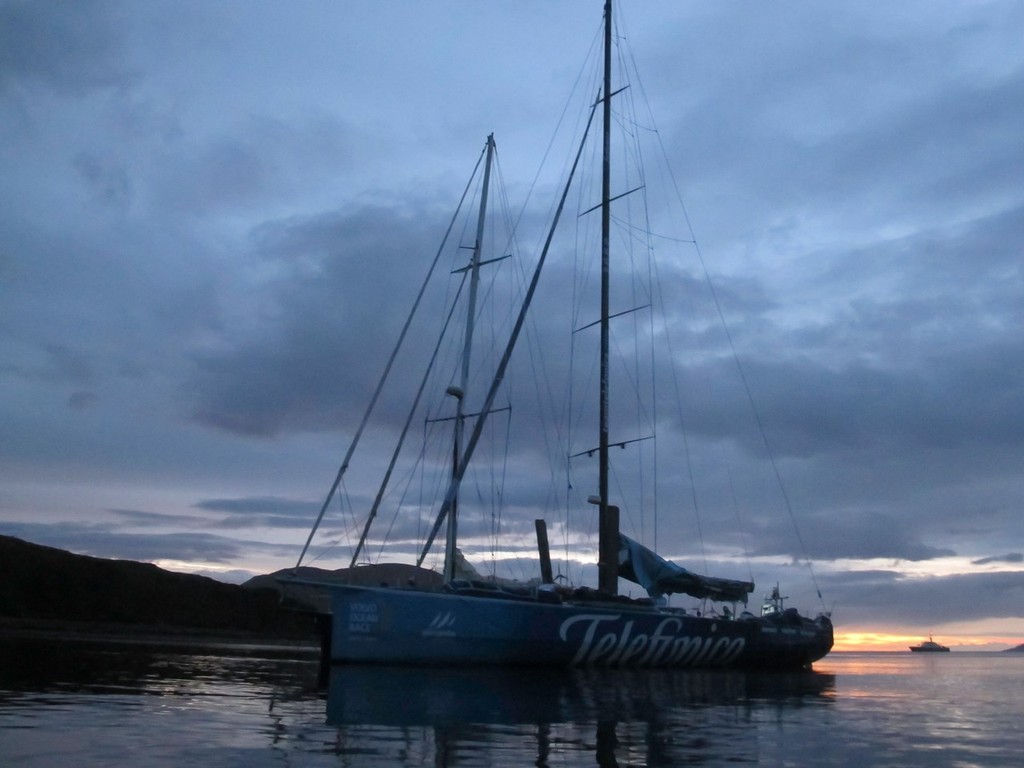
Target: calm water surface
64, 703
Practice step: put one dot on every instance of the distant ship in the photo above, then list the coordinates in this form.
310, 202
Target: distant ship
929, 646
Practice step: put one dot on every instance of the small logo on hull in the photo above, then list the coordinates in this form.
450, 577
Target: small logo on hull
363, 618
441, 625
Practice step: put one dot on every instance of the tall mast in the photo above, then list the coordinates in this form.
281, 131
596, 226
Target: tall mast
608, 576
459, 392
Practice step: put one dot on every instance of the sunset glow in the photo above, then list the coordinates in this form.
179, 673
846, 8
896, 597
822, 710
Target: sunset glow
893, 641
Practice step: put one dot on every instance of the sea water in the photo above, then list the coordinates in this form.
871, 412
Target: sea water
76, 703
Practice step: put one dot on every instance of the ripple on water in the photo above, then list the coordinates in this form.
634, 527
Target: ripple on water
99, 708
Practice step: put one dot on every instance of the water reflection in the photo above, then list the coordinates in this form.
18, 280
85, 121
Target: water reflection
104, 667
63, 702
490, 716
80, 703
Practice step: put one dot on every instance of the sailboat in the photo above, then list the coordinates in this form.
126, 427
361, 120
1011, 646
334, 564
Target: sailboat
472, 622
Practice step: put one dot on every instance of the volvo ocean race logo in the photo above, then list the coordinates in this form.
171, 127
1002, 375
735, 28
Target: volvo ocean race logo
363, 618
604, 644
441, 625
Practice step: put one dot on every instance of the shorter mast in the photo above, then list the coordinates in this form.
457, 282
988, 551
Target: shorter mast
499, 374
380, 387
459, 393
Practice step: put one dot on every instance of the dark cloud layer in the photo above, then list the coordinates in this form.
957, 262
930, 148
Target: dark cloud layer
305, 359
66, 46
107, 541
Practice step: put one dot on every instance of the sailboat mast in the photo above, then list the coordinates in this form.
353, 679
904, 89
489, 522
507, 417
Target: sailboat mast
608, 576
459, 393
506, 356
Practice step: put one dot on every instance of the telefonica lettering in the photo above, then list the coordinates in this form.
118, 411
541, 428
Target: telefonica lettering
604, 641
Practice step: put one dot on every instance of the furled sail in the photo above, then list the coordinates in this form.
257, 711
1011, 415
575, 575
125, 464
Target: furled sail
660, 577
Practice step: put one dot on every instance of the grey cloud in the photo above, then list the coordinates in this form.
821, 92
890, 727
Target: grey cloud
263, 511
108, 178
259, 505
255, 161
886, 599
351, 278
142, 518
1012, 557
853, 536
62, 364
104, 541
65, 44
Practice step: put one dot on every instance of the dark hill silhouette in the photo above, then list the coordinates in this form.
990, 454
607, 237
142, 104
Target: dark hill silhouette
310, 598
43, 585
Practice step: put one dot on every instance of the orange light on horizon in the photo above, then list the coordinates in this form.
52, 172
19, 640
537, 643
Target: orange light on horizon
886, 641
872, 641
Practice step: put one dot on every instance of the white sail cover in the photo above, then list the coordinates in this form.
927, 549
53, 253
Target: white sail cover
660, 577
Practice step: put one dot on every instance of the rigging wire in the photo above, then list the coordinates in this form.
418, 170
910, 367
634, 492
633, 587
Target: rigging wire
343, 498
405, 429
739, 526
736, 357
387, 370
559, 472
502, 367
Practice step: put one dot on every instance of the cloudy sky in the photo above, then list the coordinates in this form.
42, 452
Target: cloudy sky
214, 215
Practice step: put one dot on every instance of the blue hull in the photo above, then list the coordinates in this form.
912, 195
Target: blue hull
395, 626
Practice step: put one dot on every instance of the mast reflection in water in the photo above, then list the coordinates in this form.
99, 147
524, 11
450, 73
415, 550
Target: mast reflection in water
524, 716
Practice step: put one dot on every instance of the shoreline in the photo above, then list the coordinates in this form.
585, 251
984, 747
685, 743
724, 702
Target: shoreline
157, 636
